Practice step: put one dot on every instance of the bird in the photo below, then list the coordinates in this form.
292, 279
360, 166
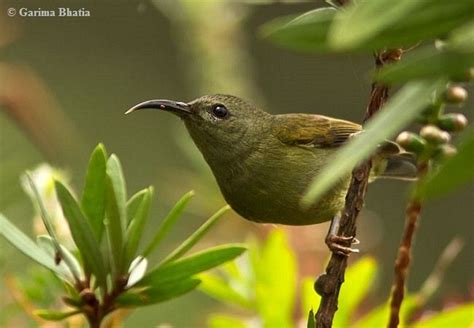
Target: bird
264, 163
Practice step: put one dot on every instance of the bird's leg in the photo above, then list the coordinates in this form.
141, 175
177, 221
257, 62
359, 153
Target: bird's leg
340, 244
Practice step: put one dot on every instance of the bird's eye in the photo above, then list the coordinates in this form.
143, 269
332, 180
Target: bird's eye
220, 111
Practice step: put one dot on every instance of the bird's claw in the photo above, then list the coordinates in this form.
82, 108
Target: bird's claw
337, 244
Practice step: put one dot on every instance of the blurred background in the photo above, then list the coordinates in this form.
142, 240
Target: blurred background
66, 82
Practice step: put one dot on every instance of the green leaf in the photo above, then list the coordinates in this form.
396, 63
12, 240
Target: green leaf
362, 20
191, 265
427, 63
459, 316
68, 259
455, 172
196, 236
359, 278
81, 232
93, 196
116, 213
395, 24
400, 111
311, 323
461, 38
52, 315
307, 32
133, 203
168, 222
221, 290
24, 244
47, 221
135, 229
147, 296
225, 321
275, 272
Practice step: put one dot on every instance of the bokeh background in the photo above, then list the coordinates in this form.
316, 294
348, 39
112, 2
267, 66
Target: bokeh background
66, 82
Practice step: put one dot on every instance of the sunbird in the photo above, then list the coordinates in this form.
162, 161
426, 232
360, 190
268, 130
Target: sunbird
264, 163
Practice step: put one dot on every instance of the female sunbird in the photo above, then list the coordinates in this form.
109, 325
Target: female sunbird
264, 163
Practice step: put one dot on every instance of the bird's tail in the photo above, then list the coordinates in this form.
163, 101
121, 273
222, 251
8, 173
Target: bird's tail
400, 167
393, 162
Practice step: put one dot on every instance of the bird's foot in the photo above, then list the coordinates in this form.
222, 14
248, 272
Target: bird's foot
341, 244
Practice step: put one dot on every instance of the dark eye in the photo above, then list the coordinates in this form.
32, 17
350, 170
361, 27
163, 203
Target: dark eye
220, 111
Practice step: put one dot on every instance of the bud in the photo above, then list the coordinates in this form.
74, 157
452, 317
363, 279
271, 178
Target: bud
452, 122
455, 95
411, 142
433, 134
88, 297
446, 151
467, 76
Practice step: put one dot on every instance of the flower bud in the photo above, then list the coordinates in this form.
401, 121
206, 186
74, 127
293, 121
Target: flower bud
88, 297
452, 122
411, 142
434, 135
455, 95
467, 76
446, 151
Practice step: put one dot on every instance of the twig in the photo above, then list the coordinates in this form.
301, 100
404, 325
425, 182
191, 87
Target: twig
329, 284
402, 262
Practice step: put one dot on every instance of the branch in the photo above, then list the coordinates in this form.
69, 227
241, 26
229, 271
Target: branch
329, 284
402, 263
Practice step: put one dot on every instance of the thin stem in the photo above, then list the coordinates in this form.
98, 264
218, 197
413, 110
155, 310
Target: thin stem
329, 284
402, 263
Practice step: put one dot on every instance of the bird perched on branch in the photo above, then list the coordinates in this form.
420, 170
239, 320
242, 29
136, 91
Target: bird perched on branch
264, 163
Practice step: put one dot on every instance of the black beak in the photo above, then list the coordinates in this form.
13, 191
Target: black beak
176, 107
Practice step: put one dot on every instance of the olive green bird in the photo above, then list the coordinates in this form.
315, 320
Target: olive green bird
264, 163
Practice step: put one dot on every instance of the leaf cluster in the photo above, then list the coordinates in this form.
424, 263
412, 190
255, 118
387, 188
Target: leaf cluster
108, 270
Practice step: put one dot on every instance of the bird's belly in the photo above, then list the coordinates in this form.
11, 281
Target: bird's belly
271, 193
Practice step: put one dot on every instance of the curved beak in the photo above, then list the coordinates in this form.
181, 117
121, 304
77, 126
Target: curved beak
176, 107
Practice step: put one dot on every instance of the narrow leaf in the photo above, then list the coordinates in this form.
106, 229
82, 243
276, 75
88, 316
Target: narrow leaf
81, 232
51, 315
455, 172
133, 203
115, 173
168, 222
362, 20
402, 109
148, 296
307, 32
93, 196
311, 323
69, 261
47, 221
135, 230
196, 236
116, 216
396, 24
24, 244
191, 265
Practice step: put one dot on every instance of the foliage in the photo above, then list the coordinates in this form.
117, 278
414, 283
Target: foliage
368, 26
108, 270
265, 276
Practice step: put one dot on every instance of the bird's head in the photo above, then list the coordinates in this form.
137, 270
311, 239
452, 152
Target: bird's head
219, 124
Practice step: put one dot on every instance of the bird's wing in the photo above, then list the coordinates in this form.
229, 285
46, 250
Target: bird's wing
313, 130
